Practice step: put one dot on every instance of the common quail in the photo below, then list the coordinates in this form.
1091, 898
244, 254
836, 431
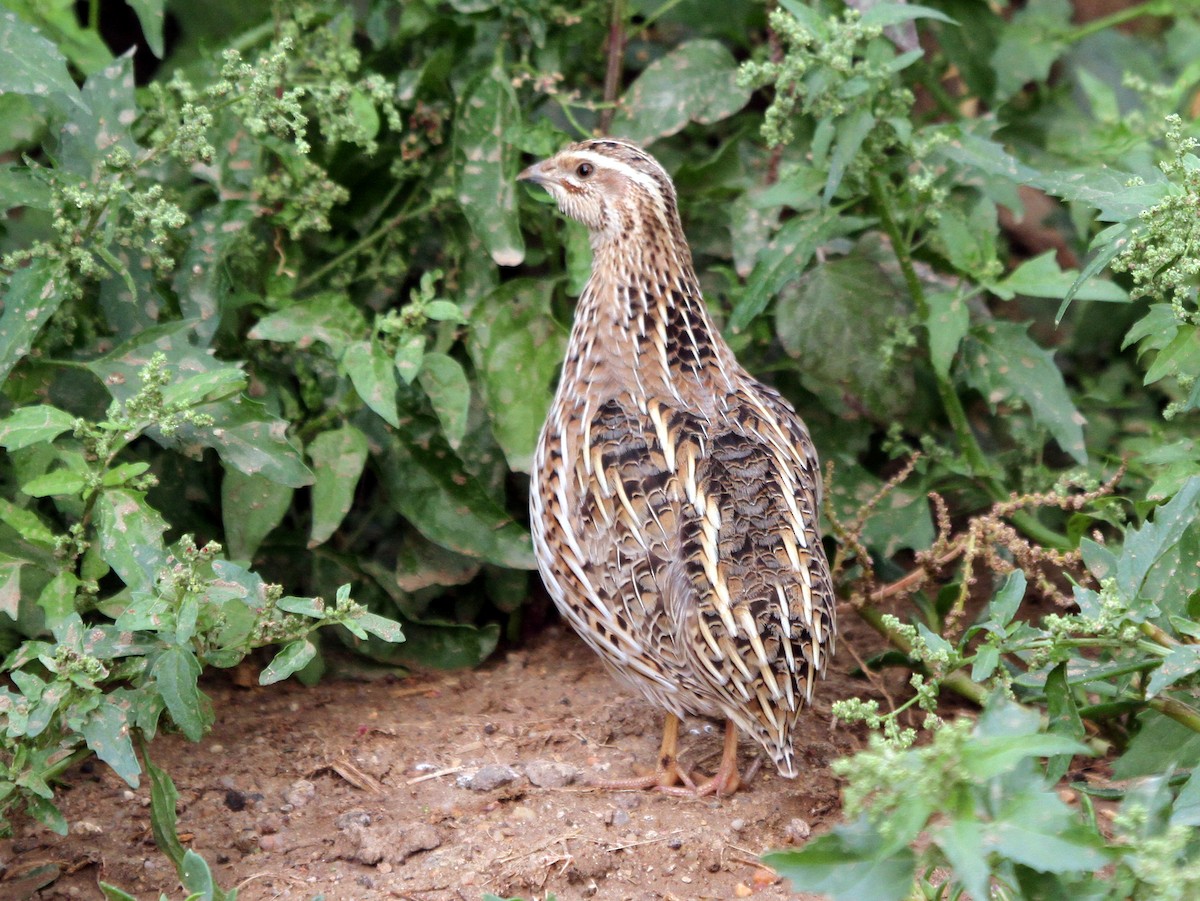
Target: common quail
674, 498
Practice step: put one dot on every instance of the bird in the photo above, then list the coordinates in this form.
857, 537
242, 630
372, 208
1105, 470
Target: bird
674, 498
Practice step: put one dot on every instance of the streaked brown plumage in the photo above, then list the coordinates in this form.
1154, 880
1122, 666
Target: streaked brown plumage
674, 498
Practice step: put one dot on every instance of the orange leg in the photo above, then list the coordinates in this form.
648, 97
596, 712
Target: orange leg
725, 781
667, 772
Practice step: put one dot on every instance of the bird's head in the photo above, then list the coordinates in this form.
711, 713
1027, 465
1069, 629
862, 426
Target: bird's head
613, 187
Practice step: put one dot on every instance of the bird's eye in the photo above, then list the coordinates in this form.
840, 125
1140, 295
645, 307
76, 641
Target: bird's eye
583, 170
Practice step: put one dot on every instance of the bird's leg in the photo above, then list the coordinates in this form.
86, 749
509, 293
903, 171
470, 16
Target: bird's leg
666, 772
725, 781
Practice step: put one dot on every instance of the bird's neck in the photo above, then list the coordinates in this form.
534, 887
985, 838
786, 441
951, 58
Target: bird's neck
642, 321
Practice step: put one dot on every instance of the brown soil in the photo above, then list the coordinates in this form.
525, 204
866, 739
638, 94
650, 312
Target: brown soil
368, 790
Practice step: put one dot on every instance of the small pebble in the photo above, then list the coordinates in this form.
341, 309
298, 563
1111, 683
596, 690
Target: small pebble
797, 831
550, 773
741, 890
300, 793
355, 817
619, 818
86, 827
488, 777
737, 825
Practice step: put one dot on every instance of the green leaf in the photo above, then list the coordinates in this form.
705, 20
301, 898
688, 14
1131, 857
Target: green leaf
961, 840
28, 525
1063, 719
410, 353
251, 506
29, 425
1041, 277
948, 322
1181, 357
1002, 362
329, 318
338, 458
968, 237
852, 130
1034, 38
1145, 545
1039, 831
1160, 744
30, 64
1183, 661
248, 438
487, 164
885, 14
103, 125
449, 391
163, 819
150, 17
1186, 811
295, 656
381, 627
107, 732
130, 536
33, 295
517, 349
427, 484
695, 82
57, 483
373, 374
851, 863
835, 310
175, 673
1007, 602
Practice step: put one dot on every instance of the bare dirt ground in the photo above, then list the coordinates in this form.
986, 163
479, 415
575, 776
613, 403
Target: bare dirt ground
442, 787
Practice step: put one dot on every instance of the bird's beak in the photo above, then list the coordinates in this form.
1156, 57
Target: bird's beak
535, 173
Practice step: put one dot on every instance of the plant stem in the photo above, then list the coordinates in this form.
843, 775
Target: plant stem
957, 682
1182, 713
616, 58
1149, 8
951, 403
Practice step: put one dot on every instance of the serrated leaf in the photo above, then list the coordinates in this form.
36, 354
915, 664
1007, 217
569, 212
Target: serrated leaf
449, 392
107, 732
295, 656
517, 349
373, 374
30, 64
1183, 661
1041, 277
34, 294
1002, 362
251, 507
29, 425
1145, 545
175, 674
695, 82
487, 168
329, 318
1181, 356
130, 536
338, 457
851, 863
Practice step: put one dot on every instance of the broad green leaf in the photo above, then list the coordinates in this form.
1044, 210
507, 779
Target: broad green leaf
56, 483
250, 439
107, 732
1062, 719
1180, 358
449, 392
1039, 831
1186, 811
104, 124
381, 627
29, 425
852, 130
206, 387
851, 863
338, 457
30, 64
251, 506
130, 535
1160, 744
948, 322
429, 643
695, 82
1145, 545
517, 349
373, 374
487, 164
410, 352
1007, 602
784, 259
1183, 661
445, 311
294, 656
150, 17
961, 840
28, 525
1002, 362
33, 294
329, 318
885, 14
175, 673
57, 598
1041, 277
427, 484
835, 310
1033, 39
968, 236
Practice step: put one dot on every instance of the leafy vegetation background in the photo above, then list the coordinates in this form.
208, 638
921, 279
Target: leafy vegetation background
279, 326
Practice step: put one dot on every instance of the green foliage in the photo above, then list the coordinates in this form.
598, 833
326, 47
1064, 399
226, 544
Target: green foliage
258, 299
